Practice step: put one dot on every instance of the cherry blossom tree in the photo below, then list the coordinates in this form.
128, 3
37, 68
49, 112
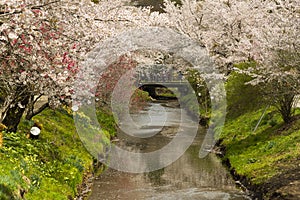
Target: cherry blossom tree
110, 77
235, 31
42, 44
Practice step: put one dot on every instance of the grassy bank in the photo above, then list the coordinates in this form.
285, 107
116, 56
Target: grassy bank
264, 160
51, 167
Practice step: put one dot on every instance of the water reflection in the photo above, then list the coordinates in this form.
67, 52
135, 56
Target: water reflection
189, 171
187, 178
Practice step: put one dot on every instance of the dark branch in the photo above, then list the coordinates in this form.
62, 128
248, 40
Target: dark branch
112, 20
33, 113
44, 5
5, 13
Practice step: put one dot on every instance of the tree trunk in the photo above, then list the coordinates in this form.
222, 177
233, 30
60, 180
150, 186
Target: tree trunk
14, 114
31, 112
286, 107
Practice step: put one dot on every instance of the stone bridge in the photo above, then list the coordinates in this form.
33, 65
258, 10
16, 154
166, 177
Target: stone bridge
150, 87
161, 76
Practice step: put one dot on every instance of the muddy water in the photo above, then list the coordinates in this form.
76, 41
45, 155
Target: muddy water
187, 178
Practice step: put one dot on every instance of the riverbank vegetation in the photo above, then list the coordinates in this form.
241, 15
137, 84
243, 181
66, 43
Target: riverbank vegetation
199, 91
258, 144
260, 148
51, 167
258, 158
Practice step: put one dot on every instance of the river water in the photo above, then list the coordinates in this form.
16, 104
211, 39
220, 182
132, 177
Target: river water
189, 177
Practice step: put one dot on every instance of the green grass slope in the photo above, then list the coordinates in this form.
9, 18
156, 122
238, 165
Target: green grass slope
51, 167
269, 152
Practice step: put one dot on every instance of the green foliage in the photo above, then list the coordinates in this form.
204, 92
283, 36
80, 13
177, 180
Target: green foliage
48, 168
261, 155
201, 92
165, 92
107, 122
92, 136
6, 193
142, 96
138, 100
189, 103
242, 97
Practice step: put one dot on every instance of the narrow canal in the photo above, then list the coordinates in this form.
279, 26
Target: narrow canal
188, 178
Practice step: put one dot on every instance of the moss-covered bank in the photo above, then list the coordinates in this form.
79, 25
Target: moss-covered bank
51, 167
266, 161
